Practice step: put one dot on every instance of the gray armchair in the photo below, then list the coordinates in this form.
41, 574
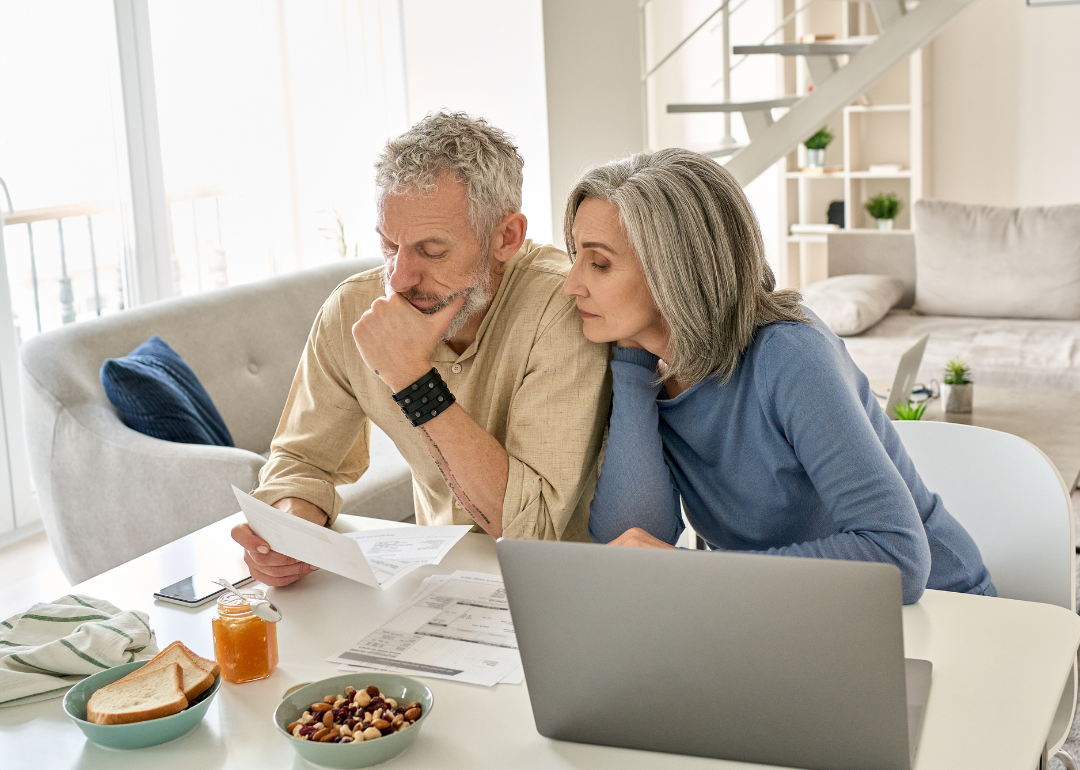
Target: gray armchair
109, 494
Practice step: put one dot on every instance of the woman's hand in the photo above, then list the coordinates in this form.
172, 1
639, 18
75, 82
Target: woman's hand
639, 538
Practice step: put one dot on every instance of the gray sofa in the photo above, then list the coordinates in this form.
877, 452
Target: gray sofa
1028, 353
109, 494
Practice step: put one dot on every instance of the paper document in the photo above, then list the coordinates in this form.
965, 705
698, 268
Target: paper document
394, 553
378, 557
455, 627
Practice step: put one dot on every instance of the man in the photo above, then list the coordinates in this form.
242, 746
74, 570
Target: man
469, 313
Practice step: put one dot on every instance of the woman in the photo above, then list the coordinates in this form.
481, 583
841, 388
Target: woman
731, 396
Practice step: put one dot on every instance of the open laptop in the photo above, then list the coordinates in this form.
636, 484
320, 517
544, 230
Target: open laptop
768, 659
904, 382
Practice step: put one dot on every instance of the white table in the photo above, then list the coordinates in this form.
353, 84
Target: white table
999, 668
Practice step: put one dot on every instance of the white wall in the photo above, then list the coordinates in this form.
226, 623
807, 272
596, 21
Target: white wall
594, 96
1006, 105
494, 70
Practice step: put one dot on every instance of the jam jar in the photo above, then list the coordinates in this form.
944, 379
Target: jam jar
245, 645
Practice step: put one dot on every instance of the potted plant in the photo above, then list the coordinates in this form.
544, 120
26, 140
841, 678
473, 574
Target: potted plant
884, 207
815, 147
956, 388
910, 411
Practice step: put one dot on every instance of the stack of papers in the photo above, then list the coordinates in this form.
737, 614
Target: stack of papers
377, 557
454, 627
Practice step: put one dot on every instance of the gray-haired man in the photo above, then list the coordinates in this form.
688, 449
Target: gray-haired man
518, 400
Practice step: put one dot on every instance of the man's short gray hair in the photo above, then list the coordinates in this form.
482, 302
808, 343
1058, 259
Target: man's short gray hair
699, 245
480, 156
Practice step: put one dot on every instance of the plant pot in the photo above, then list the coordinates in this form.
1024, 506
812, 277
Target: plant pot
957, 399
885, 224
815, 158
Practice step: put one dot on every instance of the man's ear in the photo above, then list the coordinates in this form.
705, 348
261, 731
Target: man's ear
508, 236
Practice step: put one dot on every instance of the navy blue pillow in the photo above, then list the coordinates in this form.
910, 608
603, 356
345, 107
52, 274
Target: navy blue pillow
157, 394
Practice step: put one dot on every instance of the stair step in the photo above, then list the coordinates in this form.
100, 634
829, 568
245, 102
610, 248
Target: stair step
768, 104
802, 49
724, 152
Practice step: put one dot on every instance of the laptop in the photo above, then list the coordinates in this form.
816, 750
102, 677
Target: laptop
768, 659
904, 382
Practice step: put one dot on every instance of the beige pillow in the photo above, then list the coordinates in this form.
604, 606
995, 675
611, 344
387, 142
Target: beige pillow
851, 304
997, 262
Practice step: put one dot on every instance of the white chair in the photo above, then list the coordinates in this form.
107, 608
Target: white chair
1014, 503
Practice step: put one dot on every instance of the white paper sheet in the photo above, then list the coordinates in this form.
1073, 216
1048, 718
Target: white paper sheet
378, 557
455, 627
396, 552
306, 541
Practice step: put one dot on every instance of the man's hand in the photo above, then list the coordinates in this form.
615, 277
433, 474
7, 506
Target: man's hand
270, 567
396, 340
639, 538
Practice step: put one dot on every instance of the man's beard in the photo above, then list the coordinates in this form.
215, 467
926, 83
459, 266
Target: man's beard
477, 295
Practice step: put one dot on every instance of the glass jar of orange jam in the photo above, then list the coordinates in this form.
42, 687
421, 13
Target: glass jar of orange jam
245, 645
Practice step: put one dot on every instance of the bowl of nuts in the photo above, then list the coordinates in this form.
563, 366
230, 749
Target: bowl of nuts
354, 720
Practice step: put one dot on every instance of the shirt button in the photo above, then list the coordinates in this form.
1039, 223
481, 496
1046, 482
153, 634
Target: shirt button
456, 368
252, 367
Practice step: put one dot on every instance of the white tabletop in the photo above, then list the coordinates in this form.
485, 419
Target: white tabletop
999, 669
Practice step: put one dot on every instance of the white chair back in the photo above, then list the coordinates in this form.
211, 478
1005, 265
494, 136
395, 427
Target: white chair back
1009, 497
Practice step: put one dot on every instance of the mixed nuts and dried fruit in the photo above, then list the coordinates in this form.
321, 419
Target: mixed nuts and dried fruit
358, 715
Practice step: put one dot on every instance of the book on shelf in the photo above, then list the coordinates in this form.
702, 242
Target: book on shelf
813, 229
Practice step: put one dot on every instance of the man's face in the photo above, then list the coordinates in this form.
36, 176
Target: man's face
432, 254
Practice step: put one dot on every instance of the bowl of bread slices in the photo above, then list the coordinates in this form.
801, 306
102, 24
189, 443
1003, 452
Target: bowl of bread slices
145, 703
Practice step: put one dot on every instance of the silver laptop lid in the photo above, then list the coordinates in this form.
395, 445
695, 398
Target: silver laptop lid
904, 381
782, 661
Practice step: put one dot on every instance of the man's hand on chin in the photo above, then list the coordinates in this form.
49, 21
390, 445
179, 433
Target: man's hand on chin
269, 567
639, 538
396, 340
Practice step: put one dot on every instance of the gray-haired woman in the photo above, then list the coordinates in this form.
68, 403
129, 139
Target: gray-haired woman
730, 395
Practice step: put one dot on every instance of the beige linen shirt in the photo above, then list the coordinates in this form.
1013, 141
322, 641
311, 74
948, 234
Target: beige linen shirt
530, 379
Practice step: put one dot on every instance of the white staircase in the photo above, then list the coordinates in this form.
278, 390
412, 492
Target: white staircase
835, 85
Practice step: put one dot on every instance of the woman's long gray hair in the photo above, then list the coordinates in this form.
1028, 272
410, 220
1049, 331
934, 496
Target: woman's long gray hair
700, 248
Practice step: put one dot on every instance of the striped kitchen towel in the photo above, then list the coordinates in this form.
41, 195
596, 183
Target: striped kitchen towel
51, 646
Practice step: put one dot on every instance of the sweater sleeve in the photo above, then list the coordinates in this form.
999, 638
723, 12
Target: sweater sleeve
813, 395
636, 488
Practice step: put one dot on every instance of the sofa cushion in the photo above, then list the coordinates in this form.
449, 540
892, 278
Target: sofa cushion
157, 394
851, 304
1002, 352
997, 262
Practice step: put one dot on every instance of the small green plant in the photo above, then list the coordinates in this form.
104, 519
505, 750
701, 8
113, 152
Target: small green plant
909, 411
957, 372
336, 235
883, 206
820, 140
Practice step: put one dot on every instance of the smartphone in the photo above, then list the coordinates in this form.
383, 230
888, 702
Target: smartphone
199, 589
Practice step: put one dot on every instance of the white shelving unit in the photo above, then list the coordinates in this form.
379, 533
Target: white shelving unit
889, 126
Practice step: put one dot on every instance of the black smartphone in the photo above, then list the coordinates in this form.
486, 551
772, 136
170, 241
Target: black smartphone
199, 588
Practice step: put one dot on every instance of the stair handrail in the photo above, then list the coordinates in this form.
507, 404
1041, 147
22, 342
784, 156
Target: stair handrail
641, 7
784, 23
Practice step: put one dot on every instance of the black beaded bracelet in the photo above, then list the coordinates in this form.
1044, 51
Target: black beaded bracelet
425, 399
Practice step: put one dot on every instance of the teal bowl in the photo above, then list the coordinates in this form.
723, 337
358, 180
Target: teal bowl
347, 756
137, 735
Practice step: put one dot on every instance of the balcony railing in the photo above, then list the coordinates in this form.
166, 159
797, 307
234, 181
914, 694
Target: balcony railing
71, 258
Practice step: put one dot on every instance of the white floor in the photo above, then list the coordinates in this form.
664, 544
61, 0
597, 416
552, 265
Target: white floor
29, 569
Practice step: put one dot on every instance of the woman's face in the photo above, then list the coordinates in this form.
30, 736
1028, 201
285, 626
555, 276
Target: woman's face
614, 301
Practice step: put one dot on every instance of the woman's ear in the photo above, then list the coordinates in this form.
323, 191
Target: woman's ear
508, 236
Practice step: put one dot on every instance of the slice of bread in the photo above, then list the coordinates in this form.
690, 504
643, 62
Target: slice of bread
156, 693
198, 673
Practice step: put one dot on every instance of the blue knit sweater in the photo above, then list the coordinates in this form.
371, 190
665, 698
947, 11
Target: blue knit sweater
792, 456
